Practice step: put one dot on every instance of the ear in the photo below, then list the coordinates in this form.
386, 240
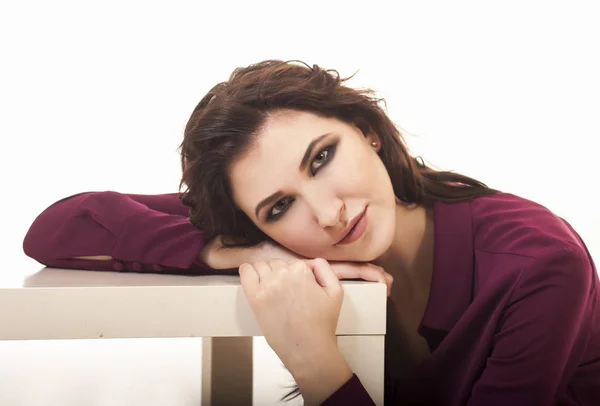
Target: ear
370, 136
374, 141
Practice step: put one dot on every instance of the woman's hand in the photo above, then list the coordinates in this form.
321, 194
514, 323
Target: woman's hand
297, 305
362, 270
218, 257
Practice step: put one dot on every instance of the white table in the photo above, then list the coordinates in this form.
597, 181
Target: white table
75, 304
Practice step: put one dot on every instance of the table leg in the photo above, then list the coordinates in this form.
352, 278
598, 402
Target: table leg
226, 371
365, 356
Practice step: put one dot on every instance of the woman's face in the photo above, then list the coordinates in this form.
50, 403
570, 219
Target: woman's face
304, 181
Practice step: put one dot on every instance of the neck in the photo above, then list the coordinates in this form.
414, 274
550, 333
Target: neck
410, 257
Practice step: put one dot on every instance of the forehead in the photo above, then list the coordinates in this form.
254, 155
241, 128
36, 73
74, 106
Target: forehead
272, 161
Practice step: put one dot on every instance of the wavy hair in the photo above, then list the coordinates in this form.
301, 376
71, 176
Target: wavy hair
229, 117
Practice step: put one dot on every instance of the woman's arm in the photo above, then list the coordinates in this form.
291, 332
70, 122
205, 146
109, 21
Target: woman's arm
114, 231
305, 297
543, 333
351, 393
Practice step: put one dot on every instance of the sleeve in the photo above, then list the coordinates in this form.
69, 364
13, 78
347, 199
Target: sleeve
542, 334
140, 233
352, 393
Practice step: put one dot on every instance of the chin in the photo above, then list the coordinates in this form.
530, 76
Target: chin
367, 250
371, 255
378, 244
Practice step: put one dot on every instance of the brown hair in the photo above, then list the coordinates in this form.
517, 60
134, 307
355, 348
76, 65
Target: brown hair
229, 118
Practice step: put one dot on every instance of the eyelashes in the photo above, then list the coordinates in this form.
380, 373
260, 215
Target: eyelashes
321, 158
279, 208
319, 161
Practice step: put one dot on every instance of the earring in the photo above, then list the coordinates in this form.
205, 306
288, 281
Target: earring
374, 144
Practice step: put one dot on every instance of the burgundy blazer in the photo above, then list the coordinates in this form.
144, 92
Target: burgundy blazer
513, 316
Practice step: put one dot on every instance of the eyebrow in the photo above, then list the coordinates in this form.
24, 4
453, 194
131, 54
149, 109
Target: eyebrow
307, 154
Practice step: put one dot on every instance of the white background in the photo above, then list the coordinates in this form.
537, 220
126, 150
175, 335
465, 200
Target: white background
94, 96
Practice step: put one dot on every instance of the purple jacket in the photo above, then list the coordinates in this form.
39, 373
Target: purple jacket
513, 316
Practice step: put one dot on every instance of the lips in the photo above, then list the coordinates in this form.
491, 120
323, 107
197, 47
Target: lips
351, 225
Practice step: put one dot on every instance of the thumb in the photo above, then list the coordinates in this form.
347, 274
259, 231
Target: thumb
325, 276
249, 280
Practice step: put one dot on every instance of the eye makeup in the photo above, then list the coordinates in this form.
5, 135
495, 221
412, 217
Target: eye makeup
327, 153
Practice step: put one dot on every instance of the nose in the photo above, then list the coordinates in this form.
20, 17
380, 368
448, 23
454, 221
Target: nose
326, 207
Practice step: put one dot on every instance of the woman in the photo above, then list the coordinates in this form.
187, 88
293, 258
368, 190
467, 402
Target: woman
494, 299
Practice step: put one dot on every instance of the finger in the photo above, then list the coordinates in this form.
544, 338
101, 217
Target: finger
325, 276
249, 279
299, 265
357, 271
278, 264
367, 272
390, 281
262, 269
301, 268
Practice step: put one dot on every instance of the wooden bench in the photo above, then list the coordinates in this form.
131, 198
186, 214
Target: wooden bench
74, 304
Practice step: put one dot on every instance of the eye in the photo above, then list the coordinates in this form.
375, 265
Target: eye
322, 158
278, 208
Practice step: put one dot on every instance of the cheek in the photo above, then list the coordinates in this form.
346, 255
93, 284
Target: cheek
296, 233
358, 173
